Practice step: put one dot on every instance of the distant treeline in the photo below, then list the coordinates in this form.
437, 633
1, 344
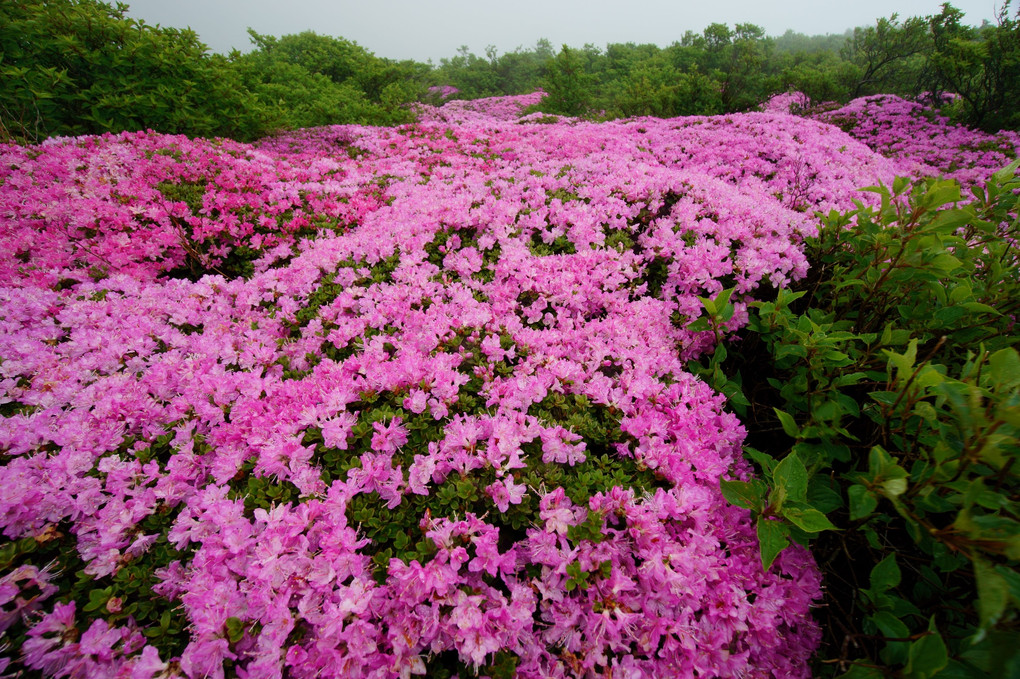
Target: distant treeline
71, 67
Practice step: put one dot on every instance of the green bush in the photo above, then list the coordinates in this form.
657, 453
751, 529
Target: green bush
665, 93
886, 427
313, 80
69, 68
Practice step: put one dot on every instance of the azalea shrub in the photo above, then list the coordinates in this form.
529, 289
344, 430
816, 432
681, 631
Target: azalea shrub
893, 374
924, 140
388, 402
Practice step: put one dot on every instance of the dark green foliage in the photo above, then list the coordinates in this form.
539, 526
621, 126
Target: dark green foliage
660, 90
473, 76
132, 583
569, 81
882, 397
75, 67
313, 80
887, 58
981, 65
70, 68
260, 492
85, 67
561, 245
724, 69
517, 72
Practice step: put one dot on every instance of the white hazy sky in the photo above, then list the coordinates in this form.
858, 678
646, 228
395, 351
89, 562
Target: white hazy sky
423, 29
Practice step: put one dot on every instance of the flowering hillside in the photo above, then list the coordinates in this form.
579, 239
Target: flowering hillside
383, 402
924, 142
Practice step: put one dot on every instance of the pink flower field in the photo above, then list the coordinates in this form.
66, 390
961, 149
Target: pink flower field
390, 402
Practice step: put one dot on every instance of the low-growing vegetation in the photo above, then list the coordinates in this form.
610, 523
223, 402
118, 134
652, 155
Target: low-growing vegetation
471, 389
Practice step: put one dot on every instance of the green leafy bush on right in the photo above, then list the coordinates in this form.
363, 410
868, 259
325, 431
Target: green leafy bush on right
884, 416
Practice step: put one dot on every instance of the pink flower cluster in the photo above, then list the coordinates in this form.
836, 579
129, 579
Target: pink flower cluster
786, 102
443, 91
491, 261
488, 110
922, 140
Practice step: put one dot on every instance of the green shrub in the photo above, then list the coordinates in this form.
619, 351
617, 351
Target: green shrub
312, 80
70, 68
886, 426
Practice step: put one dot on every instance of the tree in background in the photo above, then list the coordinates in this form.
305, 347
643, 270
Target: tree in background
657, 88
744, 72
819, 75
887, 58
71, 67
517, 72
310, 79
82, 67
473, 76
792, 42
981, 65
569, 82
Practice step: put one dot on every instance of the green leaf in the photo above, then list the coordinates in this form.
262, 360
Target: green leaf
807, 519
950, 220
886, 398
928, 655
723, 297
742, 494
763, 460
709, 304
1005, 368
996, 654
1006, 173
98, 598
945, 262
773, 537
942, 192
787, 297
235, 629
904, 362
890, 626
848, 379
823, 494
700, 324
1012, 579
465, 489
894, 487
993, 593
789, 425
885, 575
791, 475
978, 307
889, 476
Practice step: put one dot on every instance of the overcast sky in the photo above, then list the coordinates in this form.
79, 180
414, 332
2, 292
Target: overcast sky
423, 29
